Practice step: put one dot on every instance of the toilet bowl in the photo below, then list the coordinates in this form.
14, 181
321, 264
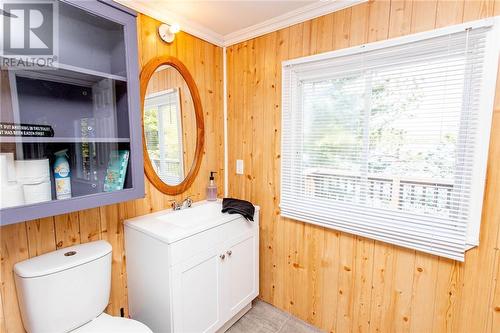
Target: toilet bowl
109, 324
67, 291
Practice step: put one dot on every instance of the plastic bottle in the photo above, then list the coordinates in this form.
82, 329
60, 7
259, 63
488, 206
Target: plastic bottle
212, 188
62, 175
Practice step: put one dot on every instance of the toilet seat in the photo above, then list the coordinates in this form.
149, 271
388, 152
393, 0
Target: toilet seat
105, 323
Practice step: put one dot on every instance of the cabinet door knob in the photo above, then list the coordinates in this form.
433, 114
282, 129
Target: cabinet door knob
222, 256
229, 252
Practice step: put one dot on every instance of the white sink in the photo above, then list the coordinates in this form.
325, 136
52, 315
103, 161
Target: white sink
194, 216
171, 226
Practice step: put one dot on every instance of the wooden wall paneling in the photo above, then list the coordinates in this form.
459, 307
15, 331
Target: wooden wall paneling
476, 9
342, 28
245, 127
277, 239
258, 164
211, 100
67, 229
148, 41
219, 117
494, 196
295, 231
346, 280
200, 70
14, 248
235, 93
113, 233
362, 290
423, 15
321, 31
329, 275
3, 329
400, 18
449, 12
447, 293
382, 280
494, 321
41, 236
378, 18
90, 225
266, 186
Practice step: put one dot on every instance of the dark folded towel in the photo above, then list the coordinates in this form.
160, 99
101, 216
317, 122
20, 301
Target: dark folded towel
236, 206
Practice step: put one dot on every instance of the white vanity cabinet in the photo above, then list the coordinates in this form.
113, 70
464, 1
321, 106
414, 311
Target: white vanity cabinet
195, 270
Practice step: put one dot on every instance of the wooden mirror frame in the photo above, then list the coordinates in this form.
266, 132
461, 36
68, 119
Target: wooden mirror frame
146, 73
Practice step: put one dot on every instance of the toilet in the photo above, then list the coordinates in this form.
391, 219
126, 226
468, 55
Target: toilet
67, 291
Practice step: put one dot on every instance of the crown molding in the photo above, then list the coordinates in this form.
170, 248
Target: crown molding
299, 15
166, 16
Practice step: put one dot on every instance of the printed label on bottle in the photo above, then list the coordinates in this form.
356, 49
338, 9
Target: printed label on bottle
63, 188
61, 171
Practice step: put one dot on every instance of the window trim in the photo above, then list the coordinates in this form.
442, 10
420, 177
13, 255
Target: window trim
487, 97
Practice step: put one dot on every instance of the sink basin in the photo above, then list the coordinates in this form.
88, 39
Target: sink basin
171, 226
193, 216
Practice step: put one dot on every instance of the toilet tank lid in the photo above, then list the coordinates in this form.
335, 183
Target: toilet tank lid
62, 259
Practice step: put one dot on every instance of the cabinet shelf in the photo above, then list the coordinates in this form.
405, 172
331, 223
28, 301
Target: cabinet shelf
61, 140
70, 74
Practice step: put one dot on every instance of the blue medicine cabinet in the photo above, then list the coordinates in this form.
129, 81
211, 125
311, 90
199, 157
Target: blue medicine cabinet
85, 108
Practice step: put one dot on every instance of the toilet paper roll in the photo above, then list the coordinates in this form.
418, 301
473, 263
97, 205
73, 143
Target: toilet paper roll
4, 175
32, 171
34, 193
11, 195
7, 168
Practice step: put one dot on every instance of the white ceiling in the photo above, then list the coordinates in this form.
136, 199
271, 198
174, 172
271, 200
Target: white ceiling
225, 17
225, 22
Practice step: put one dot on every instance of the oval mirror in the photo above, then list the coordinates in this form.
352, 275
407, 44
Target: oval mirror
173, 129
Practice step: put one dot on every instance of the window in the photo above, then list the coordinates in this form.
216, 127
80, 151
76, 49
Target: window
165, 142
390, 140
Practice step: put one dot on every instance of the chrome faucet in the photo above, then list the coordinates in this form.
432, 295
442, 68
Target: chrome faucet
186, 203
175, 205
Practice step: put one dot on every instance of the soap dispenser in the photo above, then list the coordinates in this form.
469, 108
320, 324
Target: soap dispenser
212, 188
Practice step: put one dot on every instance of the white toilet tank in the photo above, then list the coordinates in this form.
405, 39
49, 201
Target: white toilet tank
62, 290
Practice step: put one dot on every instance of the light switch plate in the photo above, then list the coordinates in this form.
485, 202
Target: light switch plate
239, 167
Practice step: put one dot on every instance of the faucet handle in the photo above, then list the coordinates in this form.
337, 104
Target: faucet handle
187, 202
175, 205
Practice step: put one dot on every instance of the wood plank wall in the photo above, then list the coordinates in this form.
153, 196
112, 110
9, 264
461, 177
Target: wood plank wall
337, 281
24, 240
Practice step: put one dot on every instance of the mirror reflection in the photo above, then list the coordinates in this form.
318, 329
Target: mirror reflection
169, 125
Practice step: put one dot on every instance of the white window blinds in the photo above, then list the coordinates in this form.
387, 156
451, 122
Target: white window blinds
389, 140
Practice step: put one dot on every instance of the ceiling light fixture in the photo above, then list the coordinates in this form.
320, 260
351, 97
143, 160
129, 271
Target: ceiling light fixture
167, 31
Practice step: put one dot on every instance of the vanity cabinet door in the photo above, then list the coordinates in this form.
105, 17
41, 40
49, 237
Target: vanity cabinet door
197, 296
241, 274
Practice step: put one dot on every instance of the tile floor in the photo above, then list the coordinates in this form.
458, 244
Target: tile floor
265, 318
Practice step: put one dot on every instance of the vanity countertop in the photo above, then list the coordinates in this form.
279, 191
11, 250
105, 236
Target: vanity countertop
170, 226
